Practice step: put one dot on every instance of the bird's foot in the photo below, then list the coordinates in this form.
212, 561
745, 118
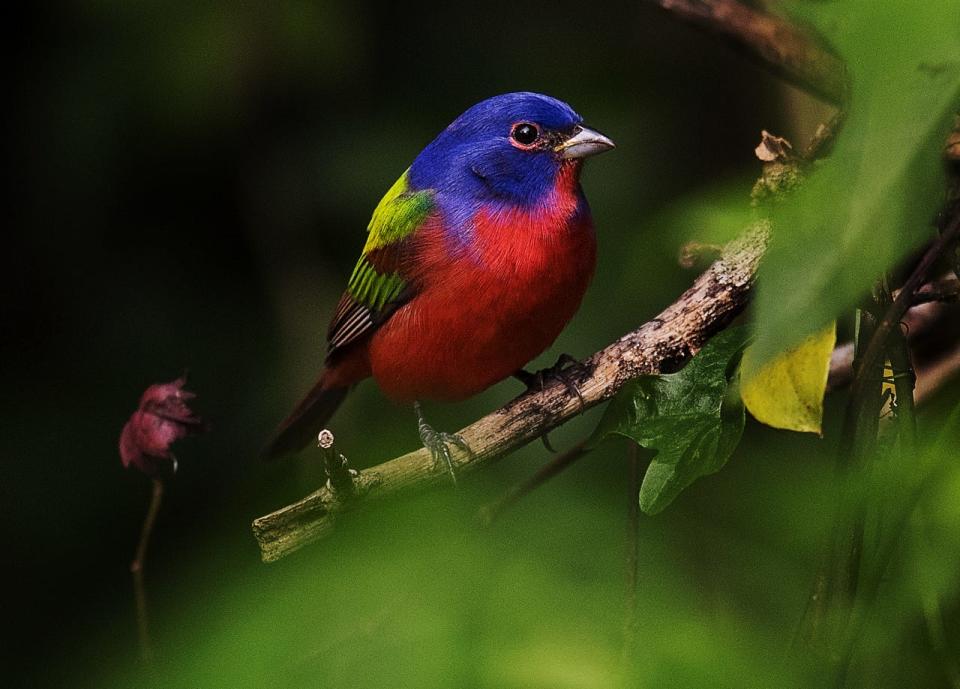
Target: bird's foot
439, 444
563, 371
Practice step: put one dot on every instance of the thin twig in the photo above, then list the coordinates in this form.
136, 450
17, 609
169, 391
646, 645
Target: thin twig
924, 322
932, 378
490, 513
835, 583
631, 621
898, 354
946, 290
339, 474
904, 382
899, 307
136, 569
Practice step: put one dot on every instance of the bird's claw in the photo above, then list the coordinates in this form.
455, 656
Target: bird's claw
560, 371
545, 439
438, 443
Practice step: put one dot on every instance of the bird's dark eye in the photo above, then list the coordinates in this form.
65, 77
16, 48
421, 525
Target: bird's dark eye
525, 133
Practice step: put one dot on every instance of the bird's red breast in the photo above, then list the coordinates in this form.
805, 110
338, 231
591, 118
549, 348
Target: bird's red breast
483, 312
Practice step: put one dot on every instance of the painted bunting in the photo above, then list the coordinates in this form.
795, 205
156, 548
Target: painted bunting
475, 260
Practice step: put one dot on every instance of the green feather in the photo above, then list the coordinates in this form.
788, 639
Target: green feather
397, 216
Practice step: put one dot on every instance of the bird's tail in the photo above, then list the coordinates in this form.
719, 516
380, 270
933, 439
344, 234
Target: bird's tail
306, 421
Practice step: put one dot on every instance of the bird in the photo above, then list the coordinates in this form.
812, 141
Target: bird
475, 260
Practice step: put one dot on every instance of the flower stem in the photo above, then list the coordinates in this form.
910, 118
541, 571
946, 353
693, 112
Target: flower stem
136, 569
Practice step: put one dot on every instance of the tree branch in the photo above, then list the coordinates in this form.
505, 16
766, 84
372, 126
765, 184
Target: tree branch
920, 323
660, 345
790, 52
943, 290
932, 373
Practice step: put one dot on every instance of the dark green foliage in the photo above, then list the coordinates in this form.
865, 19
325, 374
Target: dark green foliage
693, 419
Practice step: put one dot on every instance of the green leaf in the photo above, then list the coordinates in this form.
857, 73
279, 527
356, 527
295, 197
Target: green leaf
787, 391
692, 418
873, 200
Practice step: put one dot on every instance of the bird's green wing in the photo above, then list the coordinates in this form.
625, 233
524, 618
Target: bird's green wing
378, 286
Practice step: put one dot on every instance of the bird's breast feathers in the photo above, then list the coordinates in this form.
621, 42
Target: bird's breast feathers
484, 310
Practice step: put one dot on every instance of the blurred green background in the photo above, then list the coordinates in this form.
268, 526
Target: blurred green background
190, 188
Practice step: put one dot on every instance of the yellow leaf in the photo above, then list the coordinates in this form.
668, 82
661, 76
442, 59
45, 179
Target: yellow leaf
787, 392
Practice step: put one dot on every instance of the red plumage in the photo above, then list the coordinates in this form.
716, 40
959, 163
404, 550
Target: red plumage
481, 317
477, 317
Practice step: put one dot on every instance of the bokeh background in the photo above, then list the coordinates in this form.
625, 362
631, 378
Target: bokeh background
190, 187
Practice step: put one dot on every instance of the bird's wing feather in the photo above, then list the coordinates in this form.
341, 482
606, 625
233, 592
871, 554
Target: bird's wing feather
378, 285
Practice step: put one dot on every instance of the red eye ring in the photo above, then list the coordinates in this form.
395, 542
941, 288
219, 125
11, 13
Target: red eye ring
524, 135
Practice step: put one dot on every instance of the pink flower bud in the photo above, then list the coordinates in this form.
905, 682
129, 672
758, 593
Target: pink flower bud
163, 418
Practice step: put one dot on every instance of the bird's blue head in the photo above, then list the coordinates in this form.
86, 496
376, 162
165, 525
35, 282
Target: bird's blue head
507, 149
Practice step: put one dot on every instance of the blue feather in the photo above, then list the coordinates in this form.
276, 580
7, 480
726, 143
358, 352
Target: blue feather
472, 163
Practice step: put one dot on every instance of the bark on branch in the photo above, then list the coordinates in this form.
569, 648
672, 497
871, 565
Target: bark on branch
789, 51
660, 345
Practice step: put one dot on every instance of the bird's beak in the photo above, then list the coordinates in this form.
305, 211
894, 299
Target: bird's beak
583, 143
